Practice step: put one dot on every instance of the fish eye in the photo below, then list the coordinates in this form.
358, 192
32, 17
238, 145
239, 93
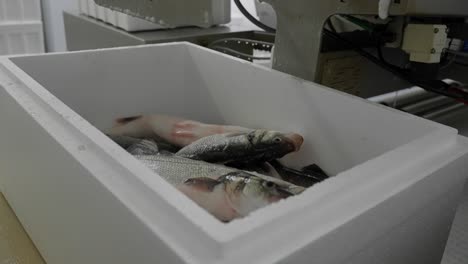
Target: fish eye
251, 136
269, 184
277, 140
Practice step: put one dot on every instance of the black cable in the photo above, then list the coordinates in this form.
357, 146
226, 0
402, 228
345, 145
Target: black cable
235, 52
365, 54
380, 51
254, 42
331, 26
461, 63
449, 46
435, 86
252, 19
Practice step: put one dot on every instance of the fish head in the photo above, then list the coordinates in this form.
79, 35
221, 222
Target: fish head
144, 147
248, 192
273, 144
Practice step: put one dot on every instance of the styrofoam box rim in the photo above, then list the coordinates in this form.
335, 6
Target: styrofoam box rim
227, 241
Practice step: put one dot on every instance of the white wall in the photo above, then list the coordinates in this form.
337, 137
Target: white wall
53, 22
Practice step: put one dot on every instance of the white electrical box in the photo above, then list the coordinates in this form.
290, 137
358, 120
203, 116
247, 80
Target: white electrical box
396, 182
425, 43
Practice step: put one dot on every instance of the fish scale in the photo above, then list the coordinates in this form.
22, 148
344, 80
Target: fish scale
213, 145
225, 192
255, 146
177, 170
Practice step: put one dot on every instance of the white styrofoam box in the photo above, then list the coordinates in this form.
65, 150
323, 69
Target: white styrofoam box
131, 23
83, 199
20, 10
21, 38
118, 19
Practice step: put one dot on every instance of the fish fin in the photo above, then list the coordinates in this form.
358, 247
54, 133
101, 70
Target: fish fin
203, 184
297, 177
125, 120
271, 171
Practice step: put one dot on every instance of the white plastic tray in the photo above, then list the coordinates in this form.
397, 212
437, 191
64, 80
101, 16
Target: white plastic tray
83, 199
21, 38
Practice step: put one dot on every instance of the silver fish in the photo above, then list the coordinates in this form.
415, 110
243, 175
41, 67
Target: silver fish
256, 146
175, 130
225, 192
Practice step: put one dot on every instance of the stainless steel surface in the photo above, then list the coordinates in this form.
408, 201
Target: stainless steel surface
419, 102
425, 106
83, 33
402, 97
444, 111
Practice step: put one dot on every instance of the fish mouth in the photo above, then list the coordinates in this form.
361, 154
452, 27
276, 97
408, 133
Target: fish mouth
295, 140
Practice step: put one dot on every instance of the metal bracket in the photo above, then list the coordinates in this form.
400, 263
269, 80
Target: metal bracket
299, 30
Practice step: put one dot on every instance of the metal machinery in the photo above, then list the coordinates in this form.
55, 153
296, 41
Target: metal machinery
306, 31
300, 25
309, 46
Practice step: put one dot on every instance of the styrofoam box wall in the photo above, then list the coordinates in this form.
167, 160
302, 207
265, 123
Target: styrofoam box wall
20, 10
21, 38
83, 199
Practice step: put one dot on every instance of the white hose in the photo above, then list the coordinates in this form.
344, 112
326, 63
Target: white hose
457, 53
